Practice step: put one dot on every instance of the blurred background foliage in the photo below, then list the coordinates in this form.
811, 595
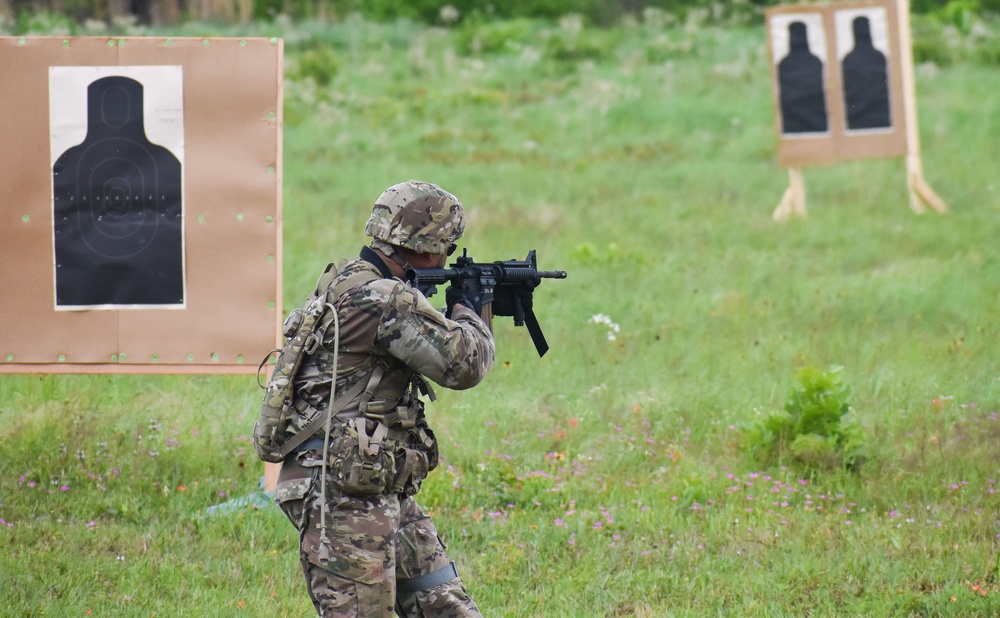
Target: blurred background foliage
600, 13
945, 31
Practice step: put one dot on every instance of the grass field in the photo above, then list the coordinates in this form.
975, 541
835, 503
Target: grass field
608, 478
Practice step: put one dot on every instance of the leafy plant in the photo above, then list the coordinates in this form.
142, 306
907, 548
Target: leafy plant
478, 35
818, 428
319, 63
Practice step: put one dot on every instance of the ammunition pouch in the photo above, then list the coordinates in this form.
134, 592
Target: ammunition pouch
384, 452
360, 464
366, 458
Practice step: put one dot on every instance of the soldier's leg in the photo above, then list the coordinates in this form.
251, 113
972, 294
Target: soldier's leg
427, 583
295, 496
351, 574
334, 596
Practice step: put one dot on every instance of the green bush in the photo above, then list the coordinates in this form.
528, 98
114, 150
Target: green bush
43, 23
477, 35
931, 44
818, 428
988, 51
571, 41
955, 34
319, 63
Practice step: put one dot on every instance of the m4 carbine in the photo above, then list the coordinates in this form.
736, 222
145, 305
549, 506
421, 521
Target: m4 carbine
502, 288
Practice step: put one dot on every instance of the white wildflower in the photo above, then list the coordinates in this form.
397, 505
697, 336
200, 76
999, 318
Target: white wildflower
448, 14
604, 320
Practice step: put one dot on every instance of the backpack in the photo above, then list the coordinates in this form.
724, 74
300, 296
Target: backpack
304, 330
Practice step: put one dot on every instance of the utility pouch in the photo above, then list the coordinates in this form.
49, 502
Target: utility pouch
428, 444
412, 468
367, 459
416, 456
361, 462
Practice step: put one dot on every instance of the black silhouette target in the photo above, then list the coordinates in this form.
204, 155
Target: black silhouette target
866, 81
800, 85
117, 208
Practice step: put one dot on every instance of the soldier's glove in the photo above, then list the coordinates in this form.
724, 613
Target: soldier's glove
506, 298
457, 296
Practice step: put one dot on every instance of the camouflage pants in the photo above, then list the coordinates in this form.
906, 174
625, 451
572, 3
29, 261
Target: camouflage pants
372, 542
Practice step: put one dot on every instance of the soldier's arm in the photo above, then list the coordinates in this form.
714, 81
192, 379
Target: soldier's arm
456, 353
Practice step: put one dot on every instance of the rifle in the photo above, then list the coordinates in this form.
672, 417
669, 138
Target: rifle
497, 288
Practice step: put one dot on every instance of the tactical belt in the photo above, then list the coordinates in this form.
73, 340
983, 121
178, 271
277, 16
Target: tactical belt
400, 434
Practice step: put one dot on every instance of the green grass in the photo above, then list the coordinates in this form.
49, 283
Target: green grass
607, 478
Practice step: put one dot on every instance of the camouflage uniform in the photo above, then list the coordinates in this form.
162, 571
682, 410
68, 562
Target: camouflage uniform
380, 545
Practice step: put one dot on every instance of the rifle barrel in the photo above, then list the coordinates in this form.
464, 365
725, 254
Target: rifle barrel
552, 274
518, 273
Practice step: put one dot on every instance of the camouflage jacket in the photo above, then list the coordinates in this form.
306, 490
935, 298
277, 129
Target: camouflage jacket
386, 321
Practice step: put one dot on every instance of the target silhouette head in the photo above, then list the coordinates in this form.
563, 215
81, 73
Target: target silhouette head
798, 38
862, 30
114, 107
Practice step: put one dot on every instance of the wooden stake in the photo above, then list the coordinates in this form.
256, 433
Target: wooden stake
271, 471
920, 192
793, 202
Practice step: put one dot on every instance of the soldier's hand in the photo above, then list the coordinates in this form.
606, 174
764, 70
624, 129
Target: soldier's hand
457, 296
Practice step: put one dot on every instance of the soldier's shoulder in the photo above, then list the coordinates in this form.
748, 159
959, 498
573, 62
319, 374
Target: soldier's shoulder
349, 267
363, 274
375, 289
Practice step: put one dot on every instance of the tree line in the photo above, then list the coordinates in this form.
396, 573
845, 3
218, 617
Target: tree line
596, 12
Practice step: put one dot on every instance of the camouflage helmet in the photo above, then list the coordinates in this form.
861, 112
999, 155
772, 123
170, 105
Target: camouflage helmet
418, 215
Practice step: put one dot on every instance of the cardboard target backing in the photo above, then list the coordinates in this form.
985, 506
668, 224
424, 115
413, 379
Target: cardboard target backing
140, 197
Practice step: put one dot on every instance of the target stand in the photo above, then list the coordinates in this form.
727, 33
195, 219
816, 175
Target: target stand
843, 84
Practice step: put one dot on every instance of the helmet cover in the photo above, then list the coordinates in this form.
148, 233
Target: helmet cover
417, 215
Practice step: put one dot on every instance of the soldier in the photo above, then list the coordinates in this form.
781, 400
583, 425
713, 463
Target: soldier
367, 548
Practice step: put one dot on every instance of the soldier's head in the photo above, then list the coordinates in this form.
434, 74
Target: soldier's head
418, 217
